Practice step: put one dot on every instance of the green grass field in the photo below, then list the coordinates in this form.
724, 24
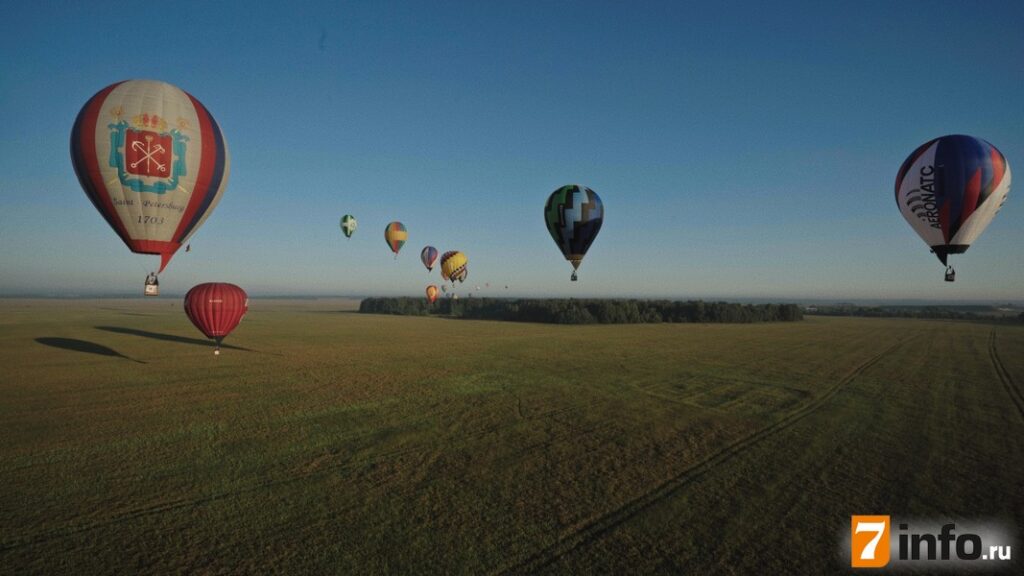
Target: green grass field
327, 441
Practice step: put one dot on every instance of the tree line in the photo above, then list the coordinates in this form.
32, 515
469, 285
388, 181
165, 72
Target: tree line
961, 312
585, 311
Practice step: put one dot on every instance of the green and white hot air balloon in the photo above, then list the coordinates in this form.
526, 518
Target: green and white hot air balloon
348, 225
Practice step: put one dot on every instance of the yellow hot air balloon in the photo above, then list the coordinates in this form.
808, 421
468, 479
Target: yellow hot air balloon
431, 293
453, 266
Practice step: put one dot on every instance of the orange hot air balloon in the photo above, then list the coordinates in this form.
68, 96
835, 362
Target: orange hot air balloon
431, 293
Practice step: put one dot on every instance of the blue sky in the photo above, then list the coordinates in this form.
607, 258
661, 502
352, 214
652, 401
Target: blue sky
741, 150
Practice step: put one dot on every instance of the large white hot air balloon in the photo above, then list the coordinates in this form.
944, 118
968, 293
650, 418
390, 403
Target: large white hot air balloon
949, 189
152, 160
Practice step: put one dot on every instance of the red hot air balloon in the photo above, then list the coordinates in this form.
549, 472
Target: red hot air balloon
216, 308
152, 160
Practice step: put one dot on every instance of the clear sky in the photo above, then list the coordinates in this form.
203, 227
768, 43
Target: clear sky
741, 149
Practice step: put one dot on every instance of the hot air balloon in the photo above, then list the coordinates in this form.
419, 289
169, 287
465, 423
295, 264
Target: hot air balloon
431, 293
395, 235
949, 189
428, 256
444, 287
152, 160
453, 266
348, 225
216, 308
574, 215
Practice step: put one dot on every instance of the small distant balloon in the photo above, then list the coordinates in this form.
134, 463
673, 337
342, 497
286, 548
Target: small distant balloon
431, 293
348, 225
428, 255
395, 235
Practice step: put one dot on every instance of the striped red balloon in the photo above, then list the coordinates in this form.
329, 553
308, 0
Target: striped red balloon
152, 160
216, 308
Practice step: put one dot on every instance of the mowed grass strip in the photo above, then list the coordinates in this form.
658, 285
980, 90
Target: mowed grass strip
340, 443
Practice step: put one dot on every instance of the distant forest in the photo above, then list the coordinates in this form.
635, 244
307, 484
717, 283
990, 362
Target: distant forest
961, 312
585, 311
958, 312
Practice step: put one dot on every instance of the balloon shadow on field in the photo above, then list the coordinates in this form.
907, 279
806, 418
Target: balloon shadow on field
124, 313
83, 346
168, 337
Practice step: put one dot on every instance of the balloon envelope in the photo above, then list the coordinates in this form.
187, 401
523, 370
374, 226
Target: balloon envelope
428, 256
216, 308
453, 266
348, 225
949, 189
431, 293
574, 215
152, 160
395, 235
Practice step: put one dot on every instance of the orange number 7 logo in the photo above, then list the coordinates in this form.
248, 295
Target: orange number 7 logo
869, 539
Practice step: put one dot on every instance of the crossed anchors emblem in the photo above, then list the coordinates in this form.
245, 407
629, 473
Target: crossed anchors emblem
148, 151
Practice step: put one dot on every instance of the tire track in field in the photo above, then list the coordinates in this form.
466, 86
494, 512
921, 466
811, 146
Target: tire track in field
1004, 375
177, 504
604, 524
309, 472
